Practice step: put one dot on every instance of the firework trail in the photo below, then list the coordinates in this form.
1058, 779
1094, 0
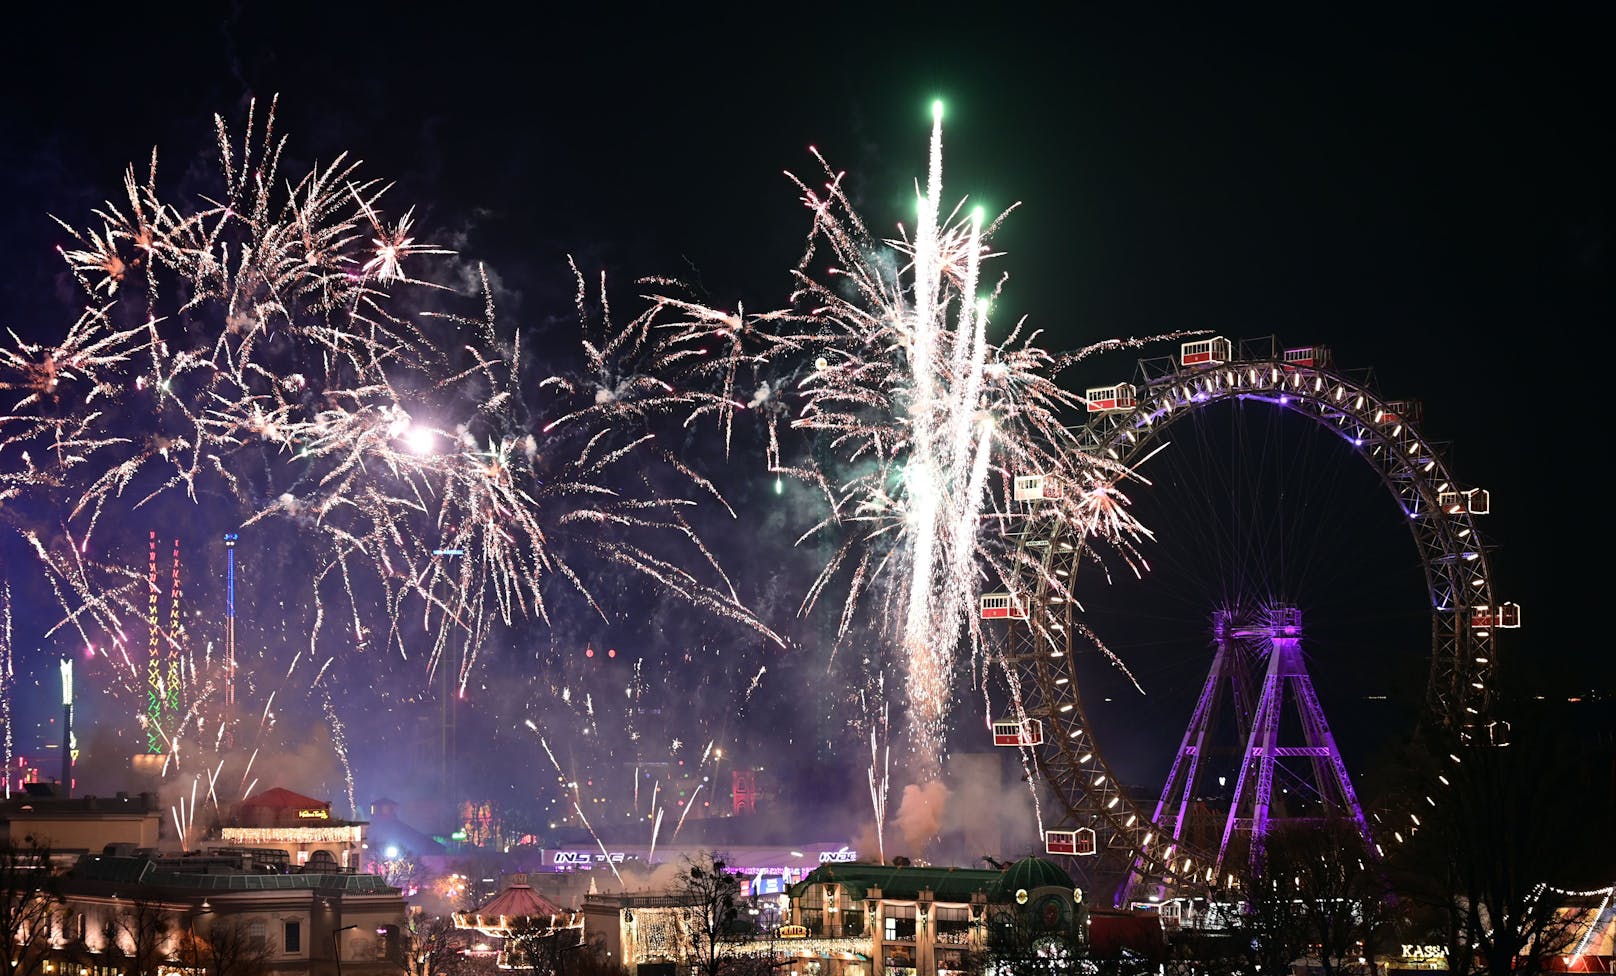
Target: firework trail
688, 807
339, 742
276, 352
553, 762
921, 423
880, 758
247, 771
656, 828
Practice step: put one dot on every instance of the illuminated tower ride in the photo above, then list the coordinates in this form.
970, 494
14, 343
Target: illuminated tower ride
165, 665
176, 633
1318, 785
154, 654
228, 719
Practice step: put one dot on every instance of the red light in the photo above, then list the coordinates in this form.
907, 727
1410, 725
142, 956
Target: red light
589, 652
611, 652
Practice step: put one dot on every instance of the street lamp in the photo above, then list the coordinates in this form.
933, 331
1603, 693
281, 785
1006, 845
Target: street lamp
190, 933
336, 945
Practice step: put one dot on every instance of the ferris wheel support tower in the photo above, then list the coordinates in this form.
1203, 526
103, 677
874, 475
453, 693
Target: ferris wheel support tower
1252, 810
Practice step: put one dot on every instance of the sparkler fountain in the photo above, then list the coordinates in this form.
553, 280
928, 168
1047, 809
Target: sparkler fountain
883, 354
70, 746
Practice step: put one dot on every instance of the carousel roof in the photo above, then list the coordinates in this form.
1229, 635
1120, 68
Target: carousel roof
518, 906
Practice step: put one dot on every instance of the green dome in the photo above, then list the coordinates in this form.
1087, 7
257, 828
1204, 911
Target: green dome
1031, 873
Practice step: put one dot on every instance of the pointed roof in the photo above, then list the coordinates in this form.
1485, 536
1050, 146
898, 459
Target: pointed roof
516, 906
520, 901
284, 799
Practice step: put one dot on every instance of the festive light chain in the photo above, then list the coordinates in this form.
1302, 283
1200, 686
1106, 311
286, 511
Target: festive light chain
293, 835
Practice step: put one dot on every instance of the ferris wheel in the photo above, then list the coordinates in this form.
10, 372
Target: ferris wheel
1036, 627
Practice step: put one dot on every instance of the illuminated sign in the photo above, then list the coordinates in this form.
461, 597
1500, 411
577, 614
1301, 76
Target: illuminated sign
593, 857
1425, 953
314, 814
843, 856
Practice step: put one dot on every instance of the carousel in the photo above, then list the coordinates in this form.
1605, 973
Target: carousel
528, 928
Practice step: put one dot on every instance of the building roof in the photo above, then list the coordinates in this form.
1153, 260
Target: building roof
284, 799
519, 900
1033, 872
91, 807
906, 882
946, 884
142, 870
387, 830
515, 907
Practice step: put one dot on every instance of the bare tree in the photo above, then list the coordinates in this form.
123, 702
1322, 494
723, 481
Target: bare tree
233, 950
402, 872
1476, 870
1341, 897
719, 938
542, 947
140, 927
1316, 893
28, 900
435, 946
1210, 945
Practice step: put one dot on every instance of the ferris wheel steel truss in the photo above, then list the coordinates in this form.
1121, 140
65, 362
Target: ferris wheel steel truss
1036, 653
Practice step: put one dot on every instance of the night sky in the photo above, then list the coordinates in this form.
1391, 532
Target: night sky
1426, 192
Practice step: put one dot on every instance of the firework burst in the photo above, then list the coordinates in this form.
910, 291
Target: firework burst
922, 422
275, 356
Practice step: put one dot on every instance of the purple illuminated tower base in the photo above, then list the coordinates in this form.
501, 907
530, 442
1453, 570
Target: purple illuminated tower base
1282, 743
1311, 769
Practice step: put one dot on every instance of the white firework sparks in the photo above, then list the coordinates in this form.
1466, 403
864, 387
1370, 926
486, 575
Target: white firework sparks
922, 422
259, 352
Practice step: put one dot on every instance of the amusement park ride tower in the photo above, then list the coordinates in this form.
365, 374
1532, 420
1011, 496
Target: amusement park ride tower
165, 666
229, 717
1283, 739
1323, 774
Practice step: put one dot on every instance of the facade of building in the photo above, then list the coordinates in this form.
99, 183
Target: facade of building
86, 823
301, 826
856, 919
168, 913
919, 921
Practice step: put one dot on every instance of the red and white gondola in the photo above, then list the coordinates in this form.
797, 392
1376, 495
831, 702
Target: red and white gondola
1111, 399
1010, 732
1079, 842
1206, 352
1001, 606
